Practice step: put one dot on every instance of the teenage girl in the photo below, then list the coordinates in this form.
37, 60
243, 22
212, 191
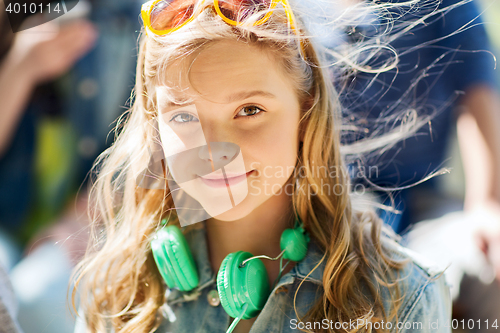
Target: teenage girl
234, 136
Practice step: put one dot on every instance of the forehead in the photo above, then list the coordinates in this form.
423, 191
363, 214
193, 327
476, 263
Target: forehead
226, 71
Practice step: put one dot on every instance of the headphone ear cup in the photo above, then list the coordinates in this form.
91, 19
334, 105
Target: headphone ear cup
174, 259
238, 286
225, 284
294, 242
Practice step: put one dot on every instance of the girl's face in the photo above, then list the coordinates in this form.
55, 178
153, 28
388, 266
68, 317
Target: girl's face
234, 142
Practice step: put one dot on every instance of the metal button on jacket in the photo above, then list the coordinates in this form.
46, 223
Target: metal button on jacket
281, 290
213, 298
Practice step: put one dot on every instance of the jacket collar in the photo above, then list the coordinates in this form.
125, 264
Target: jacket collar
196, 238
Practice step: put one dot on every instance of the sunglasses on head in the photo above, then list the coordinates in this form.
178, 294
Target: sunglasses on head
162, 17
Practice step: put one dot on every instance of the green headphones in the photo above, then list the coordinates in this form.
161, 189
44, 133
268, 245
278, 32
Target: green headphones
242, 282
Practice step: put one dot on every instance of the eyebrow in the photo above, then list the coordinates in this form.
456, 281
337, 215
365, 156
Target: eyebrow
232, 98
247, 94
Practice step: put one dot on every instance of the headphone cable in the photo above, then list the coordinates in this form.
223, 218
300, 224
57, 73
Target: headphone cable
237, 320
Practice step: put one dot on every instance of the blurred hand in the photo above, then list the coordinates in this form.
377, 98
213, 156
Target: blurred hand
47, 51
488, 240
38, 54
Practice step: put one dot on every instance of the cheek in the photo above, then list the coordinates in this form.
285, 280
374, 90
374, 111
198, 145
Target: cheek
273, 146
181, 165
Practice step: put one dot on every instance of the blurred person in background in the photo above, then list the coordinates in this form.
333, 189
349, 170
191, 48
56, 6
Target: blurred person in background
61, 88
445, 69
33, 133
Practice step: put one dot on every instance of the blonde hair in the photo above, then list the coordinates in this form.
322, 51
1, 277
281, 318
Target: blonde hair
118, 279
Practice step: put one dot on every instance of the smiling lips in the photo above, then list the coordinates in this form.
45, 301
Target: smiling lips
219, 180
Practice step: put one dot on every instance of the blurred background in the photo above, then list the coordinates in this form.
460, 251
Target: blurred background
64, 83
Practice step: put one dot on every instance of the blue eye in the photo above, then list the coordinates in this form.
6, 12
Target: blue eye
182, 118
249, 111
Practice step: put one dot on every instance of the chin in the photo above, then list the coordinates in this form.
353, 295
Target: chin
239, 211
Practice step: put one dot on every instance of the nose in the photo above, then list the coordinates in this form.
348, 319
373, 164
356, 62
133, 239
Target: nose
219, 153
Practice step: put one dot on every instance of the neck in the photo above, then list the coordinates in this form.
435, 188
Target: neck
258, 233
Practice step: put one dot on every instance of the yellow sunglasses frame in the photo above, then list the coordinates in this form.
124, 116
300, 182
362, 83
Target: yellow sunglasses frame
147, 8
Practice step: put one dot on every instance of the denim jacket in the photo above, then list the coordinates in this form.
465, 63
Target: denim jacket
426, 306
427, 302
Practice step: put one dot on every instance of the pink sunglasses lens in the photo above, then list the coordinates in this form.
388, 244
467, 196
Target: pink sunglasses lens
239, 10
168, 14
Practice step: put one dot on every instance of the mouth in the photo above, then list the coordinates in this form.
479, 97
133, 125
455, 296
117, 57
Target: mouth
218, 181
